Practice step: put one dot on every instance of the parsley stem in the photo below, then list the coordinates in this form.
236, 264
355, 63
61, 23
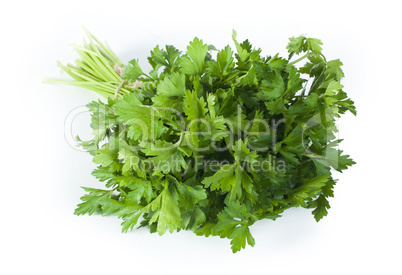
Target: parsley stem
173, 122
298, 60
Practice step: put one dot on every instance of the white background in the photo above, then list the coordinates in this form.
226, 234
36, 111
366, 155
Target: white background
41, 174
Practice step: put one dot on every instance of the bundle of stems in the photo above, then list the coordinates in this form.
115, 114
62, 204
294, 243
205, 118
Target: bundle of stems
98, 69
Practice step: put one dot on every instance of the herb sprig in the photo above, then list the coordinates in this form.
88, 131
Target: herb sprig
212, 144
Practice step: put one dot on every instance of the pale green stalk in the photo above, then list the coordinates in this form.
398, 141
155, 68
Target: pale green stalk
95, 70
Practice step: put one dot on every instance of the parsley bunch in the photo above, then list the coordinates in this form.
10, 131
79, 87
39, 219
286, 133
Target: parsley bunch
212, 140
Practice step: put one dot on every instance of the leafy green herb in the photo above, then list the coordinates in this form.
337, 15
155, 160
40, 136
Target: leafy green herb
212, 141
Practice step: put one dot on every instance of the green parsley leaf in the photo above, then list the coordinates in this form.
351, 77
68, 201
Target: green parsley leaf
166, 212
193, 62
133, 71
